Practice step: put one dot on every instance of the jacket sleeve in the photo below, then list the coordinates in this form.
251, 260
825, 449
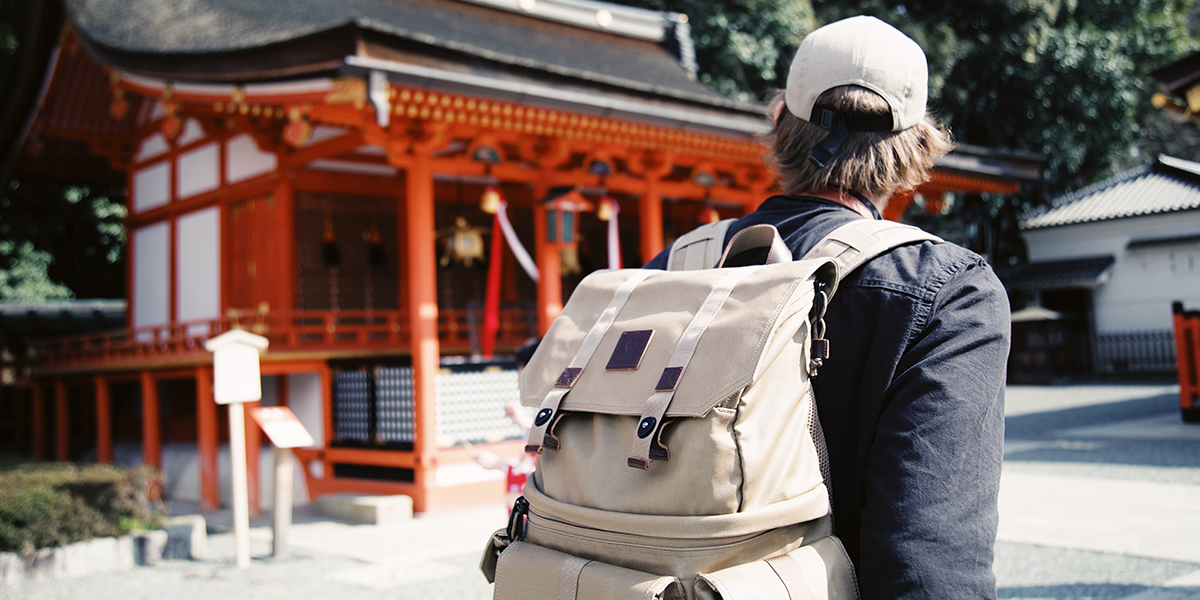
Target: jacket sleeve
932, 472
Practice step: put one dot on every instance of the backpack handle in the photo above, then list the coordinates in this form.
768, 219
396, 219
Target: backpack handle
758, 236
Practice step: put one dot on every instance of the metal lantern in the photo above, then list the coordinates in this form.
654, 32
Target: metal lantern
562, 216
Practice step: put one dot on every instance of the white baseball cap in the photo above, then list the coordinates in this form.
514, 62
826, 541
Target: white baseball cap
866, 52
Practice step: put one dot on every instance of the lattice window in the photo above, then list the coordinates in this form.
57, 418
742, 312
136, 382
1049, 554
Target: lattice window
471, 402
352, 406
394, 404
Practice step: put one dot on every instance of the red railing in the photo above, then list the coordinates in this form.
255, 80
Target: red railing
298, 331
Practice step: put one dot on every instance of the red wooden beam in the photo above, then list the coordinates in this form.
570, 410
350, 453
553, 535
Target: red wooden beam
151, 436
104, 441
37, 397
207, 439
62, 433
650, 217
423, 317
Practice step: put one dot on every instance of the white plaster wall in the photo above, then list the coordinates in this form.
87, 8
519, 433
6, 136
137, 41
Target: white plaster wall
181, 464
191, 132
155, 145
305, 400
244, 160
1142, 283
152, 187
198, 171
198, 265
151, 275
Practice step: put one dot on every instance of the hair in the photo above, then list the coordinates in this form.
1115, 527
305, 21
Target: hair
868, 162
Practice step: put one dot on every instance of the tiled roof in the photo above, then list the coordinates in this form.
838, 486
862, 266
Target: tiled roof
641, 50
1076, 272
1168, 185
59, 318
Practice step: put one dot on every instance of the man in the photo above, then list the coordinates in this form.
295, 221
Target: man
911, 400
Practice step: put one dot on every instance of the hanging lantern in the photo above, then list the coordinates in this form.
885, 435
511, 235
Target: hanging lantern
171, 124
491, 199
709, 215
568, 261
298, 129
376, 255
562, 217
331, 255
606, 208
464, 243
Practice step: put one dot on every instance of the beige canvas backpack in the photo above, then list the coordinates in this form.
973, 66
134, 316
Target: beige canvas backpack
680, 455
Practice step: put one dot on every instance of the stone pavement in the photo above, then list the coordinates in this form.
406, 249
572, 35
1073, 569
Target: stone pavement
1100, 498
1100, 495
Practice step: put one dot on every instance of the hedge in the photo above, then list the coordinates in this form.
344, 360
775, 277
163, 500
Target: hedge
55, 504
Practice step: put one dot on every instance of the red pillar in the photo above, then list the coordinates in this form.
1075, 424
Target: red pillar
38, 400
151, 436
651, 218
207, 439
62, 429
549, 289
423, 315
104, 441
285, 242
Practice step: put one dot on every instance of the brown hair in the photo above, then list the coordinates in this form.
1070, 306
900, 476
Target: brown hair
868, 162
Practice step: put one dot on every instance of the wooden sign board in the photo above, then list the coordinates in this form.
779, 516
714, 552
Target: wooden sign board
282, 427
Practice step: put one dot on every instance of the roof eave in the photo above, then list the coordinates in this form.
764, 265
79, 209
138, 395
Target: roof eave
742, 122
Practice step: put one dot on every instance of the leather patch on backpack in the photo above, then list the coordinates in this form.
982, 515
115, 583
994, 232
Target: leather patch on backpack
631, 347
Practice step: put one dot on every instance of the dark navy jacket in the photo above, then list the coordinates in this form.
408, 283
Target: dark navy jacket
912, 404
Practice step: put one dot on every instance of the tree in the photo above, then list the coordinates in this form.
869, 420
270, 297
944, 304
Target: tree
743, 47
1067, 79
60, 241
57, 240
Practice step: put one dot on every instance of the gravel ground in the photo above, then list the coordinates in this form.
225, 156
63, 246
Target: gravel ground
1103, 437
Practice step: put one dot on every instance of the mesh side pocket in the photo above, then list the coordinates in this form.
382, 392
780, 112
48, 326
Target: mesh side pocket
818, 438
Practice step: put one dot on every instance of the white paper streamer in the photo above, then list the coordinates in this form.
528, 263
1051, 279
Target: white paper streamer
614, 238
514, 243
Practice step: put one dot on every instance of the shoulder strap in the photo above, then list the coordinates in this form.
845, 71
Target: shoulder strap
699, 248
860, 240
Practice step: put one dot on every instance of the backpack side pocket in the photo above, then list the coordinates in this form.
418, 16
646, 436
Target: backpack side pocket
817, 571
527, 571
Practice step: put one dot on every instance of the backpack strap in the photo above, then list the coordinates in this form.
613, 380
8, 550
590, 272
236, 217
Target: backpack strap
758, 236
699, 248
860, 240
549, 408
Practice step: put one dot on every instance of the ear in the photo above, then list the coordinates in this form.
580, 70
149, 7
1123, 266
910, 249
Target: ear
778, 113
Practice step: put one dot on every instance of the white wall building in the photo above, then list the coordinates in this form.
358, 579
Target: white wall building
1116, 255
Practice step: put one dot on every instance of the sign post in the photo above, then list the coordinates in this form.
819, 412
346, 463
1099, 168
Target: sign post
285, 432
236, 380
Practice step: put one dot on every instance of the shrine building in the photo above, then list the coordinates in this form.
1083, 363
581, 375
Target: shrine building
396, 194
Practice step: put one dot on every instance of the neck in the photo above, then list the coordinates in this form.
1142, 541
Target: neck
850, 202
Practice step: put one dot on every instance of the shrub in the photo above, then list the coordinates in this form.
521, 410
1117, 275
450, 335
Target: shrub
54, 504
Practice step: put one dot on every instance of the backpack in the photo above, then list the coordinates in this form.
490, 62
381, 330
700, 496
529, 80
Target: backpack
680, 454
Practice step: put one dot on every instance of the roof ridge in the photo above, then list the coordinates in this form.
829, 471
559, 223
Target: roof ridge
1179, 164
1070, 198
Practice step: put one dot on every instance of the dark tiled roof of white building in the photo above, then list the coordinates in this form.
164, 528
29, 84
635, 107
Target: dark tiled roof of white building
1167, 185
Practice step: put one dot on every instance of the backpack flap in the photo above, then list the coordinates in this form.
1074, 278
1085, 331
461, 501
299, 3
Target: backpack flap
636, 353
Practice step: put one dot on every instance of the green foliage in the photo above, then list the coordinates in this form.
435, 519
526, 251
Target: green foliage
54, 504
1068, 79
60, 241
743, 47
1064, 78
27, 278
